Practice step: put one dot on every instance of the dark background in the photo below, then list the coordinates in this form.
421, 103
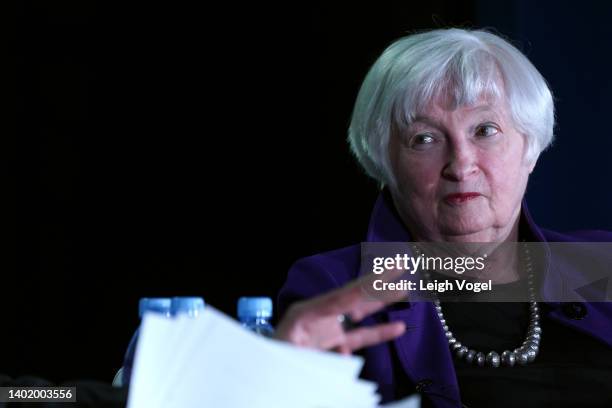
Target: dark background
166, 150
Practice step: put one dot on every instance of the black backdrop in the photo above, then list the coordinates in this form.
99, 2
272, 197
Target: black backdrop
169, 150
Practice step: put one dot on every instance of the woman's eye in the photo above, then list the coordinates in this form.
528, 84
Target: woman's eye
422, 139
486, 131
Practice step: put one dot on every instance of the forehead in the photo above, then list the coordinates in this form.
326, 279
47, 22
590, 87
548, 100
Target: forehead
440, 108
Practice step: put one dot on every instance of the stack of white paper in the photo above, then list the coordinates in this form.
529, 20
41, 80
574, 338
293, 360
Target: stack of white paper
212, 361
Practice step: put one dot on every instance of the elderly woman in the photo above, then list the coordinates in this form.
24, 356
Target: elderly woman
451, 123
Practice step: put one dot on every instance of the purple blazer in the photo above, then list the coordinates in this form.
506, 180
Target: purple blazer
425, 360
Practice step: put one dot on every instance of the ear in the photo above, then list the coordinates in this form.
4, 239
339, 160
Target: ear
532, 165
529, 163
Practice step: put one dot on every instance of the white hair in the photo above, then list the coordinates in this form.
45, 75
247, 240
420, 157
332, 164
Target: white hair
464, 65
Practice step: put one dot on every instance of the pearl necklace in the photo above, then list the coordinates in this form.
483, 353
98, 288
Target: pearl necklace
522, 355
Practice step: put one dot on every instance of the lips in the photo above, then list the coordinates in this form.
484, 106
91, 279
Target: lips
461, 198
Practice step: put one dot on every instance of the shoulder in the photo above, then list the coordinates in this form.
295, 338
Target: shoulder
341, 264
320, 273
578, 236
580, 261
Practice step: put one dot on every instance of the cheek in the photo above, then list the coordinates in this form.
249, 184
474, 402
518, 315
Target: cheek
507, 181
507, 172
417, 177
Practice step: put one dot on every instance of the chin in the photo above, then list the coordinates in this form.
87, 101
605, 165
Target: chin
465, 232
466, 238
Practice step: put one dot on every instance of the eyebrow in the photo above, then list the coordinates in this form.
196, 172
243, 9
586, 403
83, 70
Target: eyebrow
433, 122
426, 120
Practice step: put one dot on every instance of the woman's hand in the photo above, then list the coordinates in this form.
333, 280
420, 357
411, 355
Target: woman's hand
317, 322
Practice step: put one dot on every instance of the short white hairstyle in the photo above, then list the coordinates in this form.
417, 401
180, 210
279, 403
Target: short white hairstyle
464, 65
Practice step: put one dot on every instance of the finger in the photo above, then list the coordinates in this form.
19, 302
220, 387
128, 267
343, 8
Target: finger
338, 301
369, 336
372, 284
356, 298
345, 350
325, 333
367, 301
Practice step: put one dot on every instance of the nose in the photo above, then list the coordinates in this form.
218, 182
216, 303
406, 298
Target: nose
461, 162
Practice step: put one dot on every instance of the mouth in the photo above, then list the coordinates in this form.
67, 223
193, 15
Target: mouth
460, 198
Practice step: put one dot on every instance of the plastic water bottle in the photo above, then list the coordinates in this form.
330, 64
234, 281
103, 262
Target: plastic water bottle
182, 305
187, 305
255, 313
145, 305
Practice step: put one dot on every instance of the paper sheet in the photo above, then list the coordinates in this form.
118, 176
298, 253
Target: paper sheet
212, 361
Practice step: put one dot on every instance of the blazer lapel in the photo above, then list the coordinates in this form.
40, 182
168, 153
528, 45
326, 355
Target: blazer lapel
424, 353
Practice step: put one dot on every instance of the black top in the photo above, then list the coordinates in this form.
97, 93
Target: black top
572, 368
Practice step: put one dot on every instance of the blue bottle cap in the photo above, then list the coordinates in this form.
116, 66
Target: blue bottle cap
249, 307
189, 305
155, 305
